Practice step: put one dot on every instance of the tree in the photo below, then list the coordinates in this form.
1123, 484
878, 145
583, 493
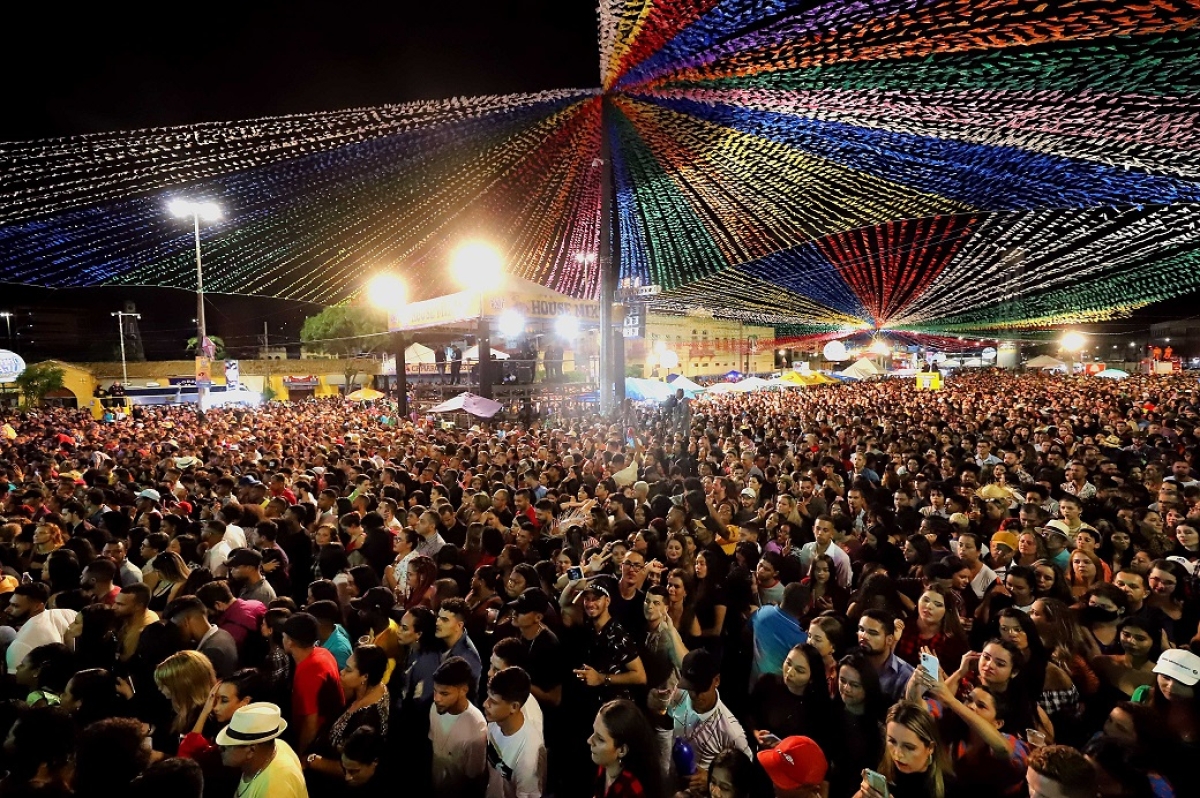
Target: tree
349, 332
38, 380
218, 343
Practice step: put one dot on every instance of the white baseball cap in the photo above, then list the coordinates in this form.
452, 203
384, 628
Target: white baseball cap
1180, 664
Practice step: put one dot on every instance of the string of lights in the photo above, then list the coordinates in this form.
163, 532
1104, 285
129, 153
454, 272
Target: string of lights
931, 167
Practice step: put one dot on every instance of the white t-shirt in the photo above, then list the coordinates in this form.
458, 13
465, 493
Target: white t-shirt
42, 629
214, 559
982, 581
516, 764
534, 715
459, 750
235, 536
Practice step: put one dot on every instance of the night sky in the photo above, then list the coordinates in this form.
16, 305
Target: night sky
79, 69
83, 69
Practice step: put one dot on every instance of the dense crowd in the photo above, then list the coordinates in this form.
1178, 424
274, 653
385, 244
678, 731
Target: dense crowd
863, 590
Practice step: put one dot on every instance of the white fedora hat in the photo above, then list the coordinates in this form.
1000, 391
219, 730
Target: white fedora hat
253, 723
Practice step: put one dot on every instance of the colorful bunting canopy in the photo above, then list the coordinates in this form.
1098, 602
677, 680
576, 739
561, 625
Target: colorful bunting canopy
927, 167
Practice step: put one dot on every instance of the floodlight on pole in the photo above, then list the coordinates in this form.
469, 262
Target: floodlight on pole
387, 292
1073, 341
567, 327
208, 212
511, 323
120, 314
478, 266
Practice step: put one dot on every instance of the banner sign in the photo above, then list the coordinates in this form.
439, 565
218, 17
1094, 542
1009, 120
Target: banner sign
233, 375
11, 365
203, 371
464, 306
308, 381
929, 381
436, 312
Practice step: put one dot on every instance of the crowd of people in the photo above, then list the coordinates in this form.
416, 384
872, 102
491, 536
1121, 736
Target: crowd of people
861, 590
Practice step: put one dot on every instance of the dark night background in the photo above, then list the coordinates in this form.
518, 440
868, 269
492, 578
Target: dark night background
72, 70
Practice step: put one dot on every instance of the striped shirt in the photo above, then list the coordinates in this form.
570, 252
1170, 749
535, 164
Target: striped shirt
709, 733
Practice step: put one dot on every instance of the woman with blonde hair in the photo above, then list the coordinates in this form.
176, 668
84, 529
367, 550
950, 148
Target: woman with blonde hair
172, 575
915, 762
186, 679
1030, 549
1086, 572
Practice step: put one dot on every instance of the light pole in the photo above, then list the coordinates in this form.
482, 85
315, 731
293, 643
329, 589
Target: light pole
7, 315
387, 292
1073, 342
478, 266
209, 212
120, 314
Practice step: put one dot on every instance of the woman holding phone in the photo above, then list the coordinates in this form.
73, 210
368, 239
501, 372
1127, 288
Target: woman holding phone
915, 762
987, 757
936, 627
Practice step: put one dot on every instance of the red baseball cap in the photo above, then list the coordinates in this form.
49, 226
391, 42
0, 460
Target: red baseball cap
794, 763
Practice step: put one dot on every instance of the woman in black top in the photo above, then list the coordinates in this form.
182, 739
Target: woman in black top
795, 701
915, 762
172, 573
362, 680
710, 604
856, 725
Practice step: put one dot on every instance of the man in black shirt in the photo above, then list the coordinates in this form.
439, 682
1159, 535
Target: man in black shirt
628, 601
545, 666
454, 531
501, 510
611, 661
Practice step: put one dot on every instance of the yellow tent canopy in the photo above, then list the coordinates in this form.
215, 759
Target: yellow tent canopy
364, 395
805, 380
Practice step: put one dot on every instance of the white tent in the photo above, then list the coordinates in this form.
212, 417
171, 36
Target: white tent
721, 387
861, 369
641, 389
417, 353
1046, 362
687, 385
750, 384
473, 354
468, 402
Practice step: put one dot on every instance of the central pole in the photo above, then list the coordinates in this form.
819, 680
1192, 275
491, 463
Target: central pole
608, 278
201, 331
399, 344
483, 342
124, 369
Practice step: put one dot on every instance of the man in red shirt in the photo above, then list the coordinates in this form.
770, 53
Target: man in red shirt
280, 490
98, 580
317, 687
